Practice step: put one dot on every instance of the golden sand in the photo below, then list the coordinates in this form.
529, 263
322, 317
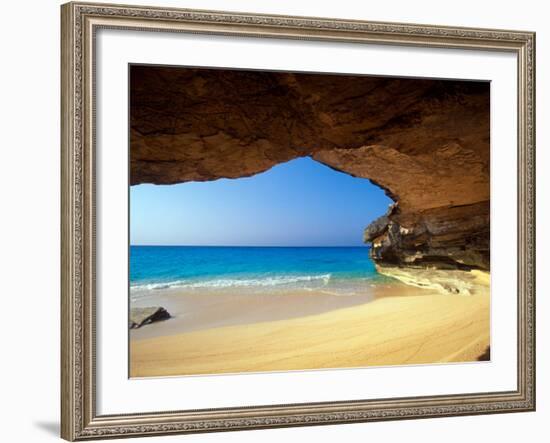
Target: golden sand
420, 327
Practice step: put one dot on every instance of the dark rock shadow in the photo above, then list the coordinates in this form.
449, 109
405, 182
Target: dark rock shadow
50, 427
486, 356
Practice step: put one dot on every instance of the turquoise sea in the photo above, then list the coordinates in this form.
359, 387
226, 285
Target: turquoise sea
339, 270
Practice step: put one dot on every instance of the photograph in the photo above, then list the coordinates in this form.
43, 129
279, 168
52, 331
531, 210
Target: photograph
282, 218
291, 221
228, 221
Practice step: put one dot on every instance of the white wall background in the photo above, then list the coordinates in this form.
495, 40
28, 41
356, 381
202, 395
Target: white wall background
29, 218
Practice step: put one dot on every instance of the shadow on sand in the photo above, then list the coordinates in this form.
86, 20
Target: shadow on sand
486, 356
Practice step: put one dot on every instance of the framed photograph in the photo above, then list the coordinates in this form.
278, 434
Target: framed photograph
284, 221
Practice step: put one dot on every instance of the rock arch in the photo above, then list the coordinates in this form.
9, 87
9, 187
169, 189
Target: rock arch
425, 142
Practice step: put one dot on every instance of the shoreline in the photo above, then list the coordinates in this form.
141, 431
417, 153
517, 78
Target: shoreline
391, 324
207, 309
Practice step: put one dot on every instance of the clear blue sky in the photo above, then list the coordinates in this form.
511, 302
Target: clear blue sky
299, 203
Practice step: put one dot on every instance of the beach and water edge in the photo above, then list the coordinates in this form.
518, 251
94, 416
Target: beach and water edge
342, 313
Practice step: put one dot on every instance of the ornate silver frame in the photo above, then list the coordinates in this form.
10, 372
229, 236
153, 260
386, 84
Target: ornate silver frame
80, 21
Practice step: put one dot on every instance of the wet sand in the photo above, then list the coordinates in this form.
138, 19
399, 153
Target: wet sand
393, 324
207, 309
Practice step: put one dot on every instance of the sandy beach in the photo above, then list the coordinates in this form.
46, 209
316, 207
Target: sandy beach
391, 324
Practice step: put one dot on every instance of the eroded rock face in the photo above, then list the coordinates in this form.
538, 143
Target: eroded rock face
447, 238
425, 142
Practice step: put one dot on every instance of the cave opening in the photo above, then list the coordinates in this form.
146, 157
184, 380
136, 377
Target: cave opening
322, 191
301, 202
425, 142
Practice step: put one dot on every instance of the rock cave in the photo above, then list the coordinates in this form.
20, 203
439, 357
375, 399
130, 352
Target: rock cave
424, 142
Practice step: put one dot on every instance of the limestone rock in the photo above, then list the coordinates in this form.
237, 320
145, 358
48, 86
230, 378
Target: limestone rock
144, 316
445, 238
448, 282
377, 228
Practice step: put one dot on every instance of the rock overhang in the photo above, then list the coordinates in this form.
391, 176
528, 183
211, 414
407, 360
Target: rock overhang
425, 142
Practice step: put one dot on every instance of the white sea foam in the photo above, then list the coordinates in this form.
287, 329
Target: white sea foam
235, 283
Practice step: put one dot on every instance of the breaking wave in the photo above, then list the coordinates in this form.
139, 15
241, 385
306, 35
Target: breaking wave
323, 279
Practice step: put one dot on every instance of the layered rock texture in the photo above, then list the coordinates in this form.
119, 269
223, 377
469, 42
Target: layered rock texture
425, 142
